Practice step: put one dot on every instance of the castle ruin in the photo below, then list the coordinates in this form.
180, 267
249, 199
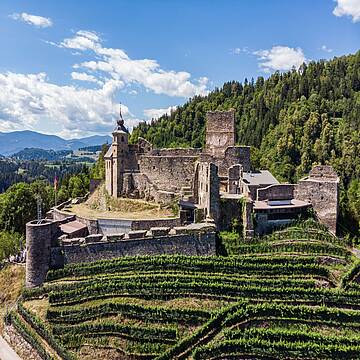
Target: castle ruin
211, 186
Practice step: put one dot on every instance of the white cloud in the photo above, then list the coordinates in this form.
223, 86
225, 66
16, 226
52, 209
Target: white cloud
282, 58
348, 8
81, 76
29, 99
117, 64
156, 113
34, 20
238, 51
83, 40
326, 49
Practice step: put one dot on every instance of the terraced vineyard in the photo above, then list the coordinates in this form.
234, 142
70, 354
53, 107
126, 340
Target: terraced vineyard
292, 294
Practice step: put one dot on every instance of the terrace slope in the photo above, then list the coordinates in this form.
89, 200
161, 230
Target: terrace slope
281, 296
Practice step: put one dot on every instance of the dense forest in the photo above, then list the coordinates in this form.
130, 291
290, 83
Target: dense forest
14, 171
292, 120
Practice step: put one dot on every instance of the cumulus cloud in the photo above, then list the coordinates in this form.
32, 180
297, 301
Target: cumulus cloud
146, 72
326, 49
81, 76
156, 113
348, 8
34, 20
28, 99
282, 58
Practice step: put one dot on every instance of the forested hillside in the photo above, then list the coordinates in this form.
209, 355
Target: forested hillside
292, 120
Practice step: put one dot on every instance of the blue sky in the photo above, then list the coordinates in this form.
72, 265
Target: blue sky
64, 65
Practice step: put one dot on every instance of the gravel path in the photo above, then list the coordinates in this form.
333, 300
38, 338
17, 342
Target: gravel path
6, 352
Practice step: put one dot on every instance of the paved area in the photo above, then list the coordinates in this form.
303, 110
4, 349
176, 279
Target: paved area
6, 352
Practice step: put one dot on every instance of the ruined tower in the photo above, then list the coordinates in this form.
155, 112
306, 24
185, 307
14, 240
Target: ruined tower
115, 159
321, 189
220, 131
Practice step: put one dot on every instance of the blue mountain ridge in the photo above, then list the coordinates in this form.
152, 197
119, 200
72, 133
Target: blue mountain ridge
13, 142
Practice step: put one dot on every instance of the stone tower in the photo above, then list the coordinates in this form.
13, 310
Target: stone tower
39, 239
220, 131
115, 159
321, 189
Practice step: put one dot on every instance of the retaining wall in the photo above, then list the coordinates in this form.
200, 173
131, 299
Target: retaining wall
201, 243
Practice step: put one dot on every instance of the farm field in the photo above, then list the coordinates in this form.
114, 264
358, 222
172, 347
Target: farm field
292, 294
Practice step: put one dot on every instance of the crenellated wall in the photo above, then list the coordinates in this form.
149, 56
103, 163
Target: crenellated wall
201, 243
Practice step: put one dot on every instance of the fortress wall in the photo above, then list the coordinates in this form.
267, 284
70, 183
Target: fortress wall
146, 224
323, 196
276, 192
231, 156
207, 189
230, 209
176, 152
186, 244
91, 224
321, 188
236, 155
131, 160
123, 226
169, 173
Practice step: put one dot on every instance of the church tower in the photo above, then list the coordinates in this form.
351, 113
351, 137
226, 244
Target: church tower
115, 159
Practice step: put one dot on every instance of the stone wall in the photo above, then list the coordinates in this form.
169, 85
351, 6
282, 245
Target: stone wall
230, 209
202, 243
169, 173
176, 152
234, 179
324, 197
276, 192
248, 223
207, 189
118, 226
238, 155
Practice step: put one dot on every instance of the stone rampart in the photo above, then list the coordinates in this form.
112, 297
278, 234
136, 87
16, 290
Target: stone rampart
176, 152
197, 243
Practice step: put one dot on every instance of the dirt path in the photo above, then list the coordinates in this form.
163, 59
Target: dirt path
6, 352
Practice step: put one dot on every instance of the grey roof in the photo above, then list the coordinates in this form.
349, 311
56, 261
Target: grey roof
261, 177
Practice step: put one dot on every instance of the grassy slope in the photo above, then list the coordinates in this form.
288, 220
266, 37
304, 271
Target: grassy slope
11, 284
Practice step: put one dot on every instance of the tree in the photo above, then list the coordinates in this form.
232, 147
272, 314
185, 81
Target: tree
18, 206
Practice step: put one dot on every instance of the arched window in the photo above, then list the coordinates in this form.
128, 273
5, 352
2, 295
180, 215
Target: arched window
122, 139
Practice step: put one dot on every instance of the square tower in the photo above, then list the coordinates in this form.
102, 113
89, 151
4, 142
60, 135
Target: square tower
220, 131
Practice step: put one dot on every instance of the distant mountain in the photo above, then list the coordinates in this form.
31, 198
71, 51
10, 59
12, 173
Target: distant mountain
40, 154
13, 142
